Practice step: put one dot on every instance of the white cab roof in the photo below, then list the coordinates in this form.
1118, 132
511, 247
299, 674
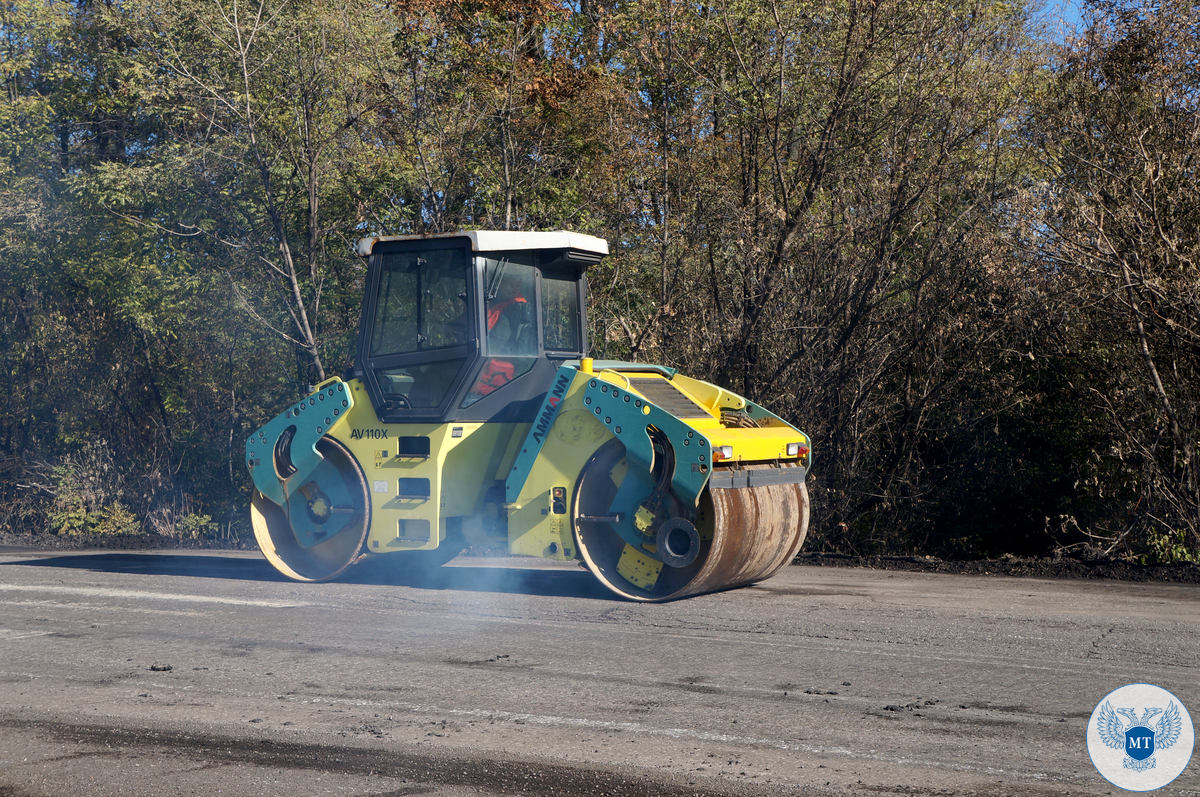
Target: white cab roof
501, 241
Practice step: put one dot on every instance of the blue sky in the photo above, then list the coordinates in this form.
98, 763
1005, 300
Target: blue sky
1061, 17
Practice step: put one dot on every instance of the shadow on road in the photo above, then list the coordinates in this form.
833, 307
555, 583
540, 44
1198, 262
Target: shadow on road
559, 583
196, 565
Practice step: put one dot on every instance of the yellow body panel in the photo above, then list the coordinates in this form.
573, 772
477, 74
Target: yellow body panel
641, 570
534, 529
765, 443
464, 460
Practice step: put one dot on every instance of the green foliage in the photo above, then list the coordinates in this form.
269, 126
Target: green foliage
962, 259
71, 515
84, 500
1170, 547
196, 527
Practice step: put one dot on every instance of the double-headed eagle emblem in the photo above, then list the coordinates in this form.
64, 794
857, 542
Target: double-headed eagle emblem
1134, 734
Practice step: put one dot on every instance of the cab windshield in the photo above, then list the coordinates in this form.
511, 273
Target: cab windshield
422, 302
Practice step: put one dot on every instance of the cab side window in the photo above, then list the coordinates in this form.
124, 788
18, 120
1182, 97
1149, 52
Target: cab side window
509, 309
560, 314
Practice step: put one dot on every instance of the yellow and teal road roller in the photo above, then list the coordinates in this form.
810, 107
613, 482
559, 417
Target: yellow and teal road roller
473, 411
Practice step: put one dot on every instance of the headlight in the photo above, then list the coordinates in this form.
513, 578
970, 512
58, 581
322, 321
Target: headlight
797, 450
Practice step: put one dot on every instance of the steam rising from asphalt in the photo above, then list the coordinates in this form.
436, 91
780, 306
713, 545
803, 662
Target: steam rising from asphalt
472, 572
483, 567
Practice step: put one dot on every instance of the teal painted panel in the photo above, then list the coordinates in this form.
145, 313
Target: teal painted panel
531, 446
628, 417
305, 423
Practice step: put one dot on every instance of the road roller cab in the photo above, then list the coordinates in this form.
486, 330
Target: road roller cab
473, 411
448, 321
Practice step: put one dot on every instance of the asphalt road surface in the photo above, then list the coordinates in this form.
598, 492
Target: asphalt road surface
205, 673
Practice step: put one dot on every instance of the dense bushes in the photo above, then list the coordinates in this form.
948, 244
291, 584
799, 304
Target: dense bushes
962, 257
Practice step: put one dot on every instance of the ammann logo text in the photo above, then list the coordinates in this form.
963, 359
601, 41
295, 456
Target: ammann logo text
546, 418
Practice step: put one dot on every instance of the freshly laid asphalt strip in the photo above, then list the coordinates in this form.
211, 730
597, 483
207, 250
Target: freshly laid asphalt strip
204, 672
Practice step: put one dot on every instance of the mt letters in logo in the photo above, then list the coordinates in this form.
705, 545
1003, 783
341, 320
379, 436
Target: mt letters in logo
1140, 737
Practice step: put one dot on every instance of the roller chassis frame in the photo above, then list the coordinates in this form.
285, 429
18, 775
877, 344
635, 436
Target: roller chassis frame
474, 410
588, 406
